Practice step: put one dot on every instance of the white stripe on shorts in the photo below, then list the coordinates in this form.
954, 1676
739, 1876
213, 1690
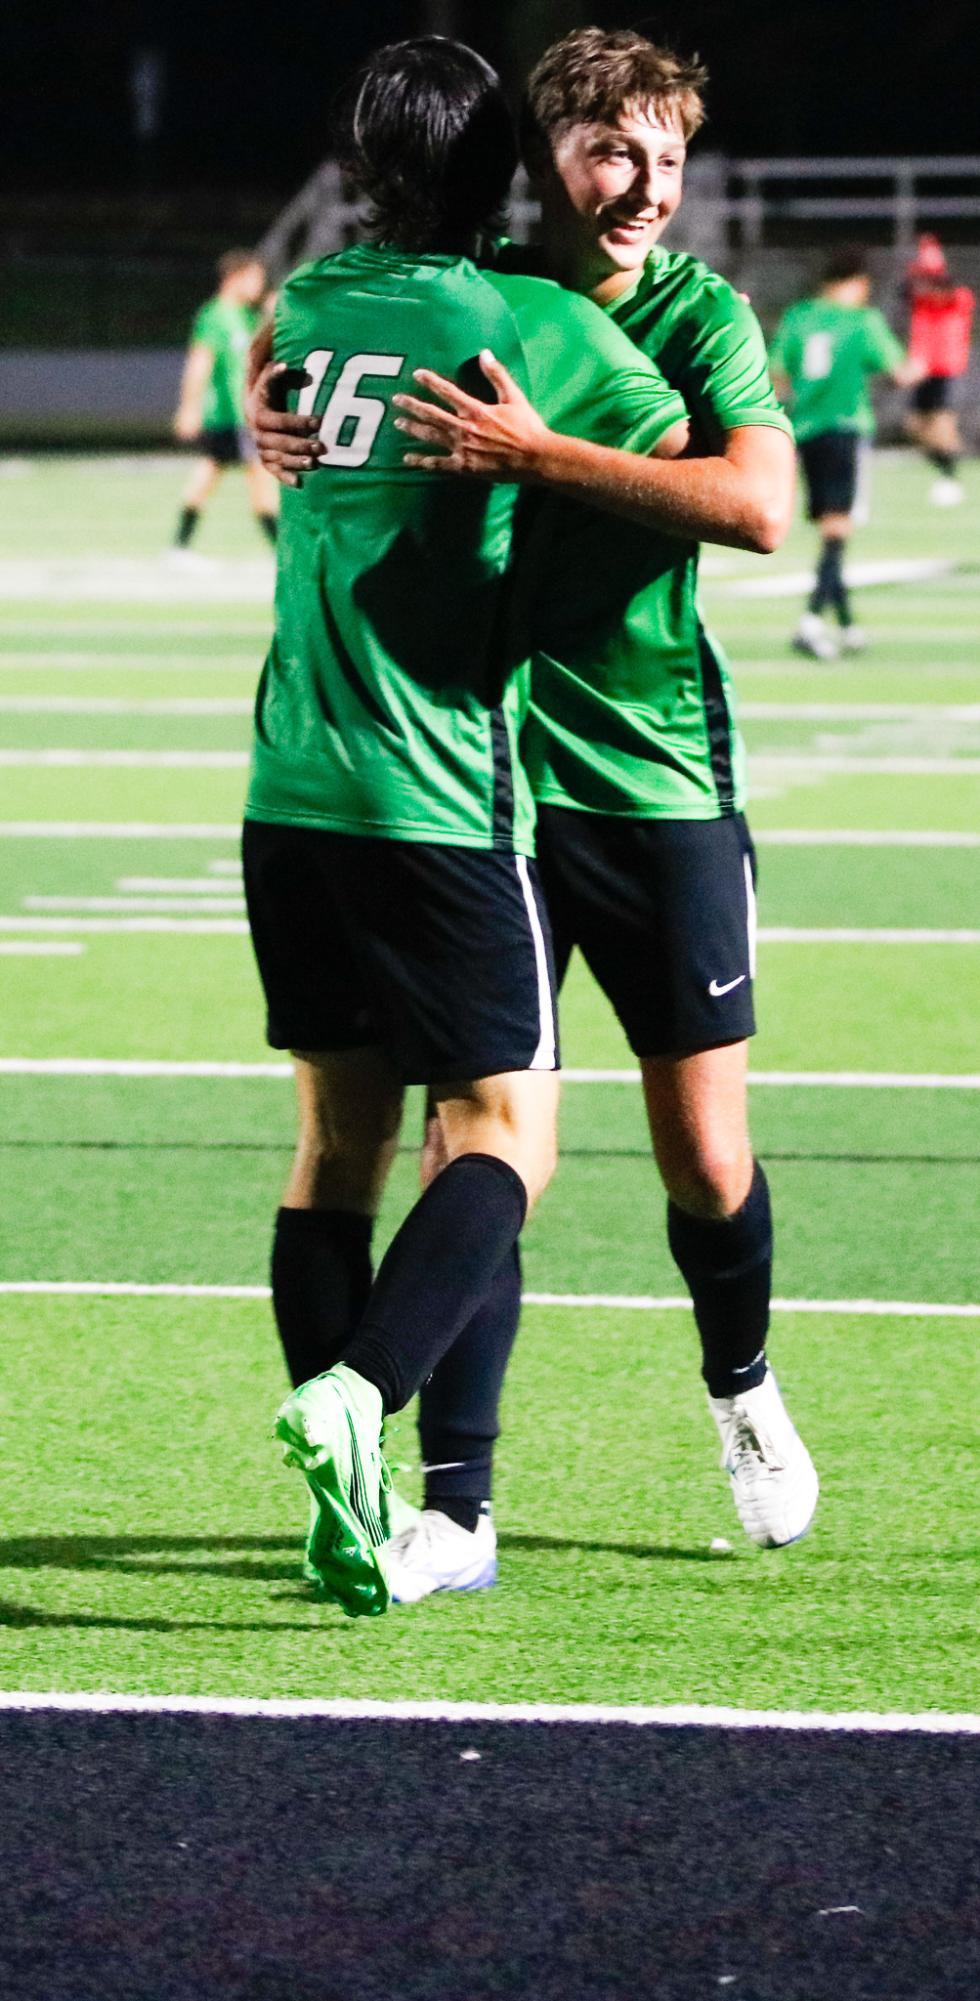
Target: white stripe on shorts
544, 1055
750, 913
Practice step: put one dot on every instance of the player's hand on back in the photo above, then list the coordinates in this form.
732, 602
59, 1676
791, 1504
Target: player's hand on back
502, 440
288, 445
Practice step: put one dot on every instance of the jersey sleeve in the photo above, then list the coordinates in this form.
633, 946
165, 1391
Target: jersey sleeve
588, 380
725, 376
203, 328
883, 349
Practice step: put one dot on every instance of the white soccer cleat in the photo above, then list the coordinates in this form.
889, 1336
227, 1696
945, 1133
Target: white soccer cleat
814, 638
946, 492
853, 639
774, 1480
436, 1554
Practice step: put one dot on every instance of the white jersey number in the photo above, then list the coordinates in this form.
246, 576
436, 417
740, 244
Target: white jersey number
345, 407
818, 357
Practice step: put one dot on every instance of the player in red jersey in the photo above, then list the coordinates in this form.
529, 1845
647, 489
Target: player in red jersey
940, 318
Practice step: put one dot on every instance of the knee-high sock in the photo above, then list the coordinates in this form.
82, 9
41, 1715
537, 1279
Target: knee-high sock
829, 586
459, 1405
321, 1279
727, 1266
437, 1273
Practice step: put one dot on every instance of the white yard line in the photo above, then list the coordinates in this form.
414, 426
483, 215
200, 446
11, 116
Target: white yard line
119, 830
780, 935
832, 764
109, 627
359, 1709
106, 705
11, 948
844, 837
177, 885
132, 760
860, 712
137, 580
612, 1302
152, 1067
205, 927
774, 583
216, 903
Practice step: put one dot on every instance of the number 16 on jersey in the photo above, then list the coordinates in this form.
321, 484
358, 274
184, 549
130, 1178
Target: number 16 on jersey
350, 422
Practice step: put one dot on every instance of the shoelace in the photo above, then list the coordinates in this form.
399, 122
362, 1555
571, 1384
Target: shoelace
750, 1442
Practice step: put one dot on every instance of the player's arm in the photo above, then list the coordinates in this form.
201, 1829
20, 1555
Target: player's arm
741, 498
193, 383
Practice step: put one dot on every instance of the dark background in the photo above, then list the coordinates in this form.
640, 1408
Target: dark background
246, 87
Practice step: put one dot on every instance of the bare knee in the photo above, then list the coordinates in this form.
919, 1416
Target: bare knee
349, 1119
709, 1177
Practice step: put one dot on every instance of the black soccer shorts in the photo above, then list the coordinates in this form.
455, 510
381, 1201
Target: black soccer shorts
229, 445
934, 392
440, 955
663, 912
830, 472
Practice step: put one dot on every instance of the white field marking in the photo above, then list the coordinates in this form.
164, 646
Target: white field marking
177, 885
792, 671
143, 663
107, 705
787, 934
773, 763
235, 868
132, 760
592, 1301
215, 904
885, 570
201, 927
860, 712
780, 936
149, 1067
35, 948
103, 628
119, 830
842, 837
136, 580
359, 1709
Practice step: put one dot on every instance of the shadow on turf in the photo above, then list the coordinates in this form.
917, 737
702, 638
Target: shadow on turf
653, 1552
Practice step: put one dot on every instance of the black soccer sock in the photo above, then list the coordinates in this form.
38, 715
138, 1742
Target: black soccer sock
436, 1273
727, 1266
829, 586
321, 1280
187, 521
459, 1405
269, 524
946, 462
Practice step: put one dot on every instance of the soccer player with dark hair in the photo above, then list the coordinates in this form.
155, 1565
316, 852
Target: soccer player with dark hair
826, 351
393, 901
211, 412
631, 746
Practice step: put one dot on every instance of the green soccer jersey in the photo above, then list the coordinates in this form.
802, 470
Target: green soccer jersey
227, 330
631, 708
396, 685
830, 353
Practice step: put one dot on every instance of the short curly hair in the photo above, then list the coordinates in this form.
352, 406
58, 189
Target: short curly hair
589, 78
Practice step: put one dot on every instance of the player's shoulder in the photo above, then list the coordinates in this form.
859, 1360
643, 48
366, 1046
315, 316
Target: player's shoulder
698, 292
538, 299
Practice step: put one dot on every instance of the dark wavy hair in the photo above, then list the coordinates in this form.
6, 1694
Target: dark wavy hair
425, 136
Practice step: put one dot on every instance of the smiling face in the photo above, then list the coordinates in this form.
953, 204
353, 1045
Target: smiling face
607, 194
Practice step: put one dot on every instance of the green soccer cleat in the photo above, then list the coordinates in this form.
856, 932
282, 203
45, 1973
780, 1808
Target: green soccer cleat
331, 1429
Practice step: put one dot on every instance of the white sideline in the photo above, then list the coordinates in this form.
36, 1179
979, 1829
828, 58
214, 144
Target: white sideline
107, 705
135, 1066
351, 1709
176, 830
767, 934
118, 830
37, 948
900, 1309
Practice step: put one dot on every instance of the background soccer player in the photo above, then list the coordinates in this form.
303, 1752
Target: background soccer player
940, 318
393, 904
826, 352
212, 393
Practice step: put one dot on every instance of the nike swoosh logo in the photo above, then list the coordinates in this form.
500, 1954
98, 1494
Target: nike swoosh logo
716, 991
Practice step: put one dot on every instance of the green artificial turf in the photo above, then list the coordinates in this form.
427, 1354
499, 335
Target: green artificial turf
148, 1541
